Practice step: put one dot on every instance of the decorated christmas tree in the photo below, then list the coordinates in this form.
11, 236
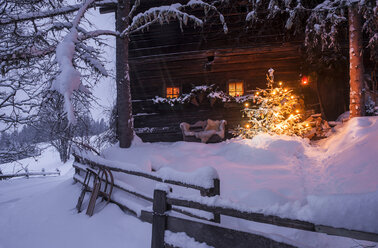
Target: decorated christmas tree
274, 110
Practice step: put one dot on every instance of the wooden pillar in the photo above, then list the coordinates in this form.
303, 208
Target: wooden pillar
124, 114
159, 219
356, 67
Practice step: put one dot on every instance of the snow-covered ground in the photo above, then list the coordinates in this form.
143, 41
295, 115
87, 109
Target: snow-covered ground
332, 182
40, 212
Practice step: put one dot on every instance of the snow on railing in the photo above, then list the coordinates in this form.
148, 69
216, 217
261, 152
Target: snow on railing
163, 221
205, 180
28, 173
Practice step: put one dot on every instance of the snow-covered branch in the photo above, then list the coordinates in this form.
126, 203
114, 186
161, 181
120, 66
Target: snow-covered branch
69, 78
48, 13
96, 33
176, 11
322, 23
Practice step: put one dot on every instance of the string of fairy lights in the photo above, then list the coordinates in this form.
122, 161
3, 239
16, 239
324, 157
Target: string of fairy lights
274, 110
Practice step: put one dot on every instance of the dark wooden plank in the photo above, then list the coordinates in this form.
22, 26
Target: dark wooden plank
257, 217
220, 237
278, 221
347, 233
214, 192
159, 219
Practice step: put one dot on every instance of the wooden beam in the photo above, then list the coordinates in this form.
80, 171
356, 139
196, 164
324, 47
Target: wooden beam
220, 237
159, 219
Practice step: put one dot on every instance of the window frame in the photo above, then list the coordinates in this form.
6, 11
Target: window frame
236, 81
171, 96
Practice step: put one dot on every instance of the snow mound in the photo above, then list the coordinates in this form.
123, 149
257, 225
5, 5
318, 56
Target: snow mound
333, 182
351, 159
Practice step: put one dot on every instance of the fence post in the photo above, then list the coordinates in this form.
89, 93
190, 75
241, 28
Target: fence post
159, 219
43, 172
215, 190
77, 171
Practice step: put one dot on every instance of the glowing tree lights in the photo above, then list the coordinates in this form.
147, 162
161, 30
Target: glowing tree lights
274, 110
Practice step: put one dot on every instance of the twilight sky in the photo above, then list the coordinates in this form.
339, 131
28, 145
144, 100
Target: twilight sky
105, 91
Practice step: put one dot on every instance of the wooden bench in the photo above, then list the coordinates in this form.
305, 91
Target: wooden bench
208, 131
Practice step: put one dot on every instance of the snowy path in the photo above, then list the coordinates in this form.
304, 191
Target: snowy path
40, 212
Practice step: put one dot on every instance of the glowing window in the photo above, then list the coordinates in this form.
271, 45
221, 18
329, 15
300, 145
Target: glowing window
235, 88
173, 92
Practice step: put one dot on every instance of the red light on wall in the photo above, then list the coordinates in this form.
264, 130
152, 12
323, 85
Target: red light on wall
304, 80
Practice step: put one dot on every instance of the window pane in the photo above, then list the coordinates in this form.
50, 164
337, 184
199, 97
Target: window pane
235, 88
231, 86
169, 91
172, 92
239, 87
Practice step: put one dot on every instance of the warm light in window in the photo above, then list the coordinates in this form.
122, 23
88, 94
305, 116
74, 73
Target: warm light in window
173, 92
235, 89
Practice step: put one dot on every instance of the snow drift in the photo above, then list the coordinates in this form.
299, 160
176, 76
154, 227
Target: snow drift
332, 182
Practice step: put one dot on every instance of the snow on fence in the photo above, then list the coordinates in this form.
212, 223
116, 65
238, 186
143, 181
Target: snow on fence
210, 201
28, 173
214, 235
208, 186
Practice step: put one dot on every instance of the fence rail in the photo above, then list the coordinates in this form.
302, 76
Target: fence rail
27, 174
210, 191
162, 221
81, 163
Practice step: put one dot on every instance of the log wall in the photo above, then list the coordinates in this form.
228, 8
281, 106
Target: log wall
166, 56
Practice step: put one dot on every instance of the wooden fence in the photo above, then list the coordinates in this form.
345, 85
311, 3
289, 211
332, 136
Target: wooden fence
81, 163
202, 231
27, 174
221, 237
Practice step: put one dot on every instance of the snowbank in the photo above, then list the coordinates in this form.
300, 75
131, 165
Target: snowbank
333, 182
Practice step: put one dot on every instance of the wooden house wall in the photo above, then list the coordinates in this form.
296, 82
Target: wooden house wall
166, 56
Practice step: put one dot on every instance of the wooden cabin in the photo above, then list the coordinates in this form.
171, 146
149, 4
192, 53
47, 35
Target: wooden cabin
166, 61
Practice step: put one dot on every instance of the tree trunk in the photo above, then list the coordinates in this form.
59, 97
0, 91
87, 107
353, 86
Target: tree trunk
124, 115
356, 67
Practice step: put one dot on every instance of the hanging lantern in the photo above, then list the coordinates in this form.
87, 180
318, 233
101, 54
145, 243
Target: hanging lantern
304, 80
